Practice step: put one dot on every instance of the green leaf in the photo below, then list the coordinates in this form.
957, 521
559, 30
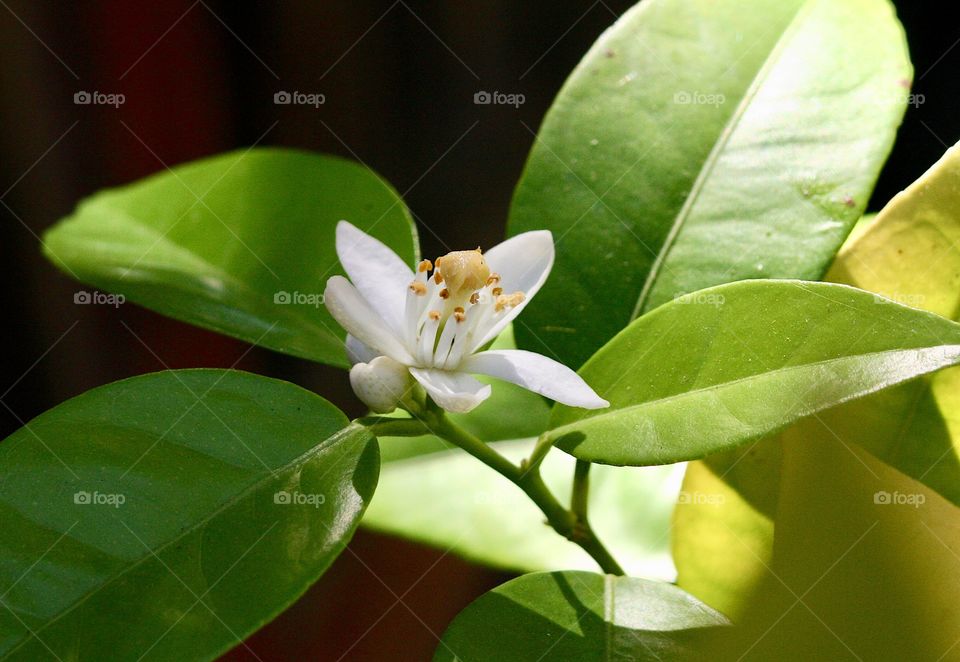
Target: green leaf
241, 243
735, 363
908, 253
580, 616
149, 519
448, 499
865, 561
706, 141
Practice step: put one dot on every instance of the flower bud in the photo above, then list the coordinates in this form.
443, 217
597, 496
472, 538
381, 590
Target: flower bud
381, 384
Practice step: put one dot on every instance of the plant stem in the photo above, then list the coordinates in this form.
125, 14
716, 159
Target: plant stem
568, 523
384, 426
581, 490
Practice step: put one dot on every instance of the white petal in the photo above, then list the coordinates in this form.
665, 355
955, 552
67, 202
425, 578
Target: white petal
376, 271
536, 373
358, 352
454, 391
381, 384
356, 316
523, 262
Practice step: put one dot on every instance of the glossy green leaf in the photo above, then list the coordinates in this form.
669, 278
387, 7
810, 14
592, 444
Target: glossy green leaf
448, 499
168, 516
706, 141
241, 243
908, 253
735, 363
580, 616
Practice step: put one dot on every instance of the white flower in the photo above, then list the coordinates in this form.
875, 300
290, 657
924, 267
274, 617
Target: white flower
433, 324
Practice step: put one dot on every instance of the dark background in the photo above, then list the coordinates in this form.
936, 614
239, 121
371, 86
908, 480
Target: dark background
399, 78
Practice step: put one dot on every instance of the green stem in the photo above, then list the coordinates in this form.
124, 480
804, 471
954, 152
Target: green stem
384, 426
446, 429
581, 490
579, 498
527, 477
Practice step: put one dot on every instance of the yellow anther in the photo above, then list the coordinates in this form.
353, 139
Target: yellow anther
475, 298
425, 265
418, 288
434, 315
458, 309
459, 317
509, 300
444, 293
497, 291
494, 278
437, 277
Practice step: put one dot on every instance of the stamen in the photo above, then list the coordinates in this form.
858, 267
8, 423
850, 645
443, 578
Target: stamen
475, 298
428, 303
418, 287
509, 300
458, 309
463, 338
428, 338
445, 344
497, 291
459, 315
437, 277
425, 265
494, 278
444, 293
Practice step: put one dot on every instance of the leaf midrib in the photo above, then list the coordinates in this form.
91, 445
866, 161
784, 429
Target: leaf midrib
706, 170
567, 427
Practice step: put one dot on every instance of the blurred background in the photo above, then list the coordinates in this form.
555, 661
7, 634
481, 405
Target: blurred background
199, 77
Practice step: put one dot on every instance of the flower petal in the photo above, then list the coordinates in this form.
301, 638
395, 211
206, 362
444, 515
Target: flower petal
538, 374
376, 271
523, 262
457, 392
356, 316
359, 352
